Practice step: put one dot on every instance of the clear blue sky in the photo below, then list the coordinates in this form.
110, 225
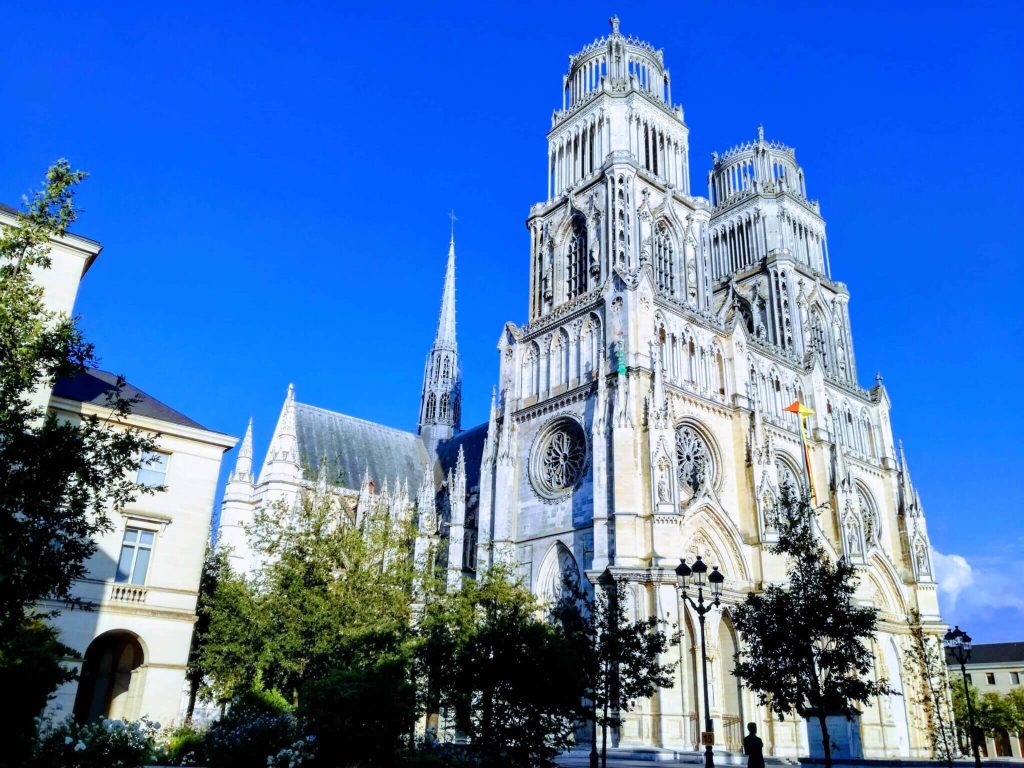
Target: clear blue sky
271, 185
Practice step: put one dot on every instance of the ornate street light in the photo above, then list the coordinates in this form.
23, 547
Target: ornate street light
702, 579
958, 643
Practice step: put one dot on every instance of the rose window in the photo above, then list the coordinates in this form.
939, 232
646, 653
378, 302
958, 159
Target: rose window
559, 458
693, 458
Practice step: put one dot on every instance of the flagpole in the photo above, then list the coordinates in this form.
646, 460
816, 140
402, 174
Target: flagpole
802, 412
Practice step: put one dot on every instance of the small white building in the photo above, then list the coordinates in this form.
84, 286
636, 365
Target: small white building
142, 584
143, 581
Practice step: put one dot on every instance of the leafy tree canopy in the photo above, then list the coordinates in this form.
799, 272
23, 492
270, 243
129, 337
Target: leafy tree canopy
807, 643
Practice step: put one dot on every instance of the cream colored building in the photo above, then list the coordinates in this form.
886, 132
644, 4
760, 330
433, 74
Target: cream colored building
995, 668
143, 580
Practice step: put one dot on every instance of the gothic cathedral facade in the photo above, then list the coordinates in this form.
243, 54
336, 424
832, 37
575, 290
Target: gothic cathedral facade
639, 414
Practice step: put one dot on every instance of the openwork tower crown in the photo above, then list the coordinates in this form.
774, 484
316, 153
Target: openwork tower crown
615, 62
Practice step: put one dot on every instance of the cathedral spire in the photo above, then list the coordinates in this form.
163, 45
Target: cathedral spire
445, 337
441, 399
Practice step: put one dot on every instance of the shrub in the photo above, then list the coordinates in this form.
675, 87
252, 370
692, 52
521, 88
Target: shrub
100, 744
242, 741
360, 713
296, 755
184, 745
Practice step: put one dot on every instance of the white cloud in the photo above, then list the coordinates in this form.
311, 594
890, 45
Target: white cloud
984, 593
954, 575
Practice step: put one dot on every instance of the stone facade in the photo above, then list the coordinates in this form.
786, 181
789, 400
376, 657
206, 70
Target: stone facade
639, 413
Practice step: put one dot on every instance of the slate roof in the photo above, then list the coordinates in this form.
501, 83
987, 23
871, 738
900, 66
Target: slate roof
94, 385
472, 443
994, 653
352, 446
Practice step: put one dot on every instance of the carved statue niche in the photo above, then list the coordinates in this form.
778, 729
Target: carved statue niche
921, 560
852, 527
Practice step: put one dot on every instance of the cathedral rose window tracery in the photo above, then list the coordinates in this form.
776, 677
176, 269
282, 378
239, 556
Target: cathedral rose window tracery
693, 457
559, 458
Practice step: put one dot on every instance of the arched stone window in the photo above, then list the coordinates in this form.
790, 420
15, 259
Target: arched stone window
444, 406
531, 372
719, 372
819, 339
576, 258
431, 407
664, 259
694, 460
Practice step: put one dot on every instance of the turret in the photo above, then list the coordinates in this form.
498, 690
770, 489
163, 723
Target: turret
237, 509
759, 200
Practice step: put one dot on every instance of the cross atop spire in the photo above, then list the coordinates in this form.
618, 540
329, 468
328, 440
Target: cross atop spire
454, 218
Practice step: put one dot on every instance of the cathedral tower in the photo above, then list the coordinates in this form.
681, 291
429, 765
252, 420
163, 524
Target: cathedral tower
441, 399
640, 416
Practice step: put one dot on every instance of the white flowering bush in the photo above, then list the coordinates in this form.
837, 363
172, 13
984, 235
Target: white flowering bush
100, 744
300, 753
244, 740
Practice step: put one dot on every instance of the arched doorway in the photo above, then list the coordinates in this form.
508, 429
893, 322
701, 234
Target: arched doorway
731, 707
110, 681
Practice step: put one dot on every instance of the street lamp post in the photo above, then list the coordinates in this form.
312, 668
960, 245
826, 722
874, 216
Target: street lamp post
958, 643
607, 582
701, 579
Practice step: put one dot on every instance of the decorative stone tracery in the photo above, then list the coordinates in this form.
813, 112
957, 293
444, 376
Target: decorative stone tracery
694, 460
558, 458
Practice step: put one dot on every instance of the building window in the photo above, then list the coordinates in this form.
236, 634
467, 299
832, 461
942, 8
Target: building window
1015, 678
136, 550
990, 678
153, 469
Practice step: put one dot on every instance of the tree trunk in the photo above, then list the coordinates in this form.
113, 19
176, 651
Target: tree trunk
826, 742
193, 689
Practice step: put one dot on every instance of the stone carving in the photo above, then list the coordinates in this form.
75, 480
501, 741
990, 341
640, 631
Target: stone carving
870, 518
921, 559
852, 535
663, 482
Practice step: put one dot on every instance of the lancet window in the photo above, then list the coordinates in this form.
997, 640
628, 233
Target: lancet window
576, 257
431, 407
664, 259
819, 339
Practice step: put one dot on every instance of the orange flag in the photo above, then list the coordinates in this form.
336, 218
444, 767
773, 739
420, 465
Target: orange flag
802, 412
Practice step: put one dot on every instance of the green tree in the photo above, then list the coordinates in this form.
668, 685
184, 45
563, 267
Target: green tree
59, 477
993, 712
509, 679
229, 654
925, 668
365, 704
216, 569
620, 658
328, 578
807, 644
